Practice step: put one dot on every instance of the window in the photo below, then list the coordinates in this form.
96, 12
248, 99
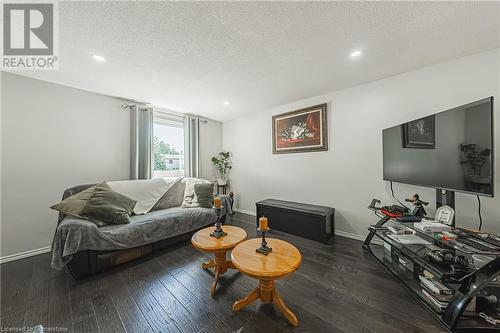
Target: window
168, 147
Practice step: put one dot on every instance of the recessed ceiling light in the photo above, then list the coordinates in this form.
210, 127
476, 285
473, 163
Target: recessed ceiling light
226, 103
356, 54
98, 58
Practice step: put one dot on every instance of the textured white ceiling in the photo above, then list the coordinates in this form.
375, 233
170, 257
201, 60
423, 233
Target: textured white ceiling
191, 57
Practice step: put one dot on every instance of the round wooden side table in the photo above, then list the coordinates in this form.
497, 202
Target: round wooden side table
281, 262
218, 246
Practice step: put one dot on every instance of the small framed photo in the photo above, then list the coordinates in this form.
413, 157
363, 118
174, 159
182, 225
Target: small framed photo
420, 133
445, 214
298, 131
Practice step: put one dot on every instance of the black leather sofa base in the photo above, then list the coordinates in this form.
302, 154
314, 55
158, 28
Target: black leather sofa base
305, 220
90, 262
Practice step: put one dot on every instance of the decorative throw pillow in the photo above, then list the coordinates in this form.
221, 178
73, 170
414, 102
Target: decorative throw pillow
205, 194
73, 205
146, 192
173, 197
108, 206
190, 198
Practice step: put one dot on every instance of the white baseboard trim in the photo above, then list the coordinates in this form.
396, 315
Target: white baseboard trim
337, 232
362, 238
31, 253
349, 235
23, 255
244, 211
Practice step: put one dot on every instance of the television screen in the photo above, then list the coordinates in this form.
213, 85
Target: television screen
450, 150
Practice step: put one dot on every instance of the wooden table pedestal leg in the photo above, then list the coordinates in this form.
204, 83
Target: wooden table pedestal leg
278, 301
208, 264
267, 293
221, 265
253, 296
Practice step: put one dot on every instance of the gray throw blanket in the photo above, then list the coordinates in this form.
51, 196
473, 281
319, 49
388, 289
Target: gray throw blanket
73, 235
226, 203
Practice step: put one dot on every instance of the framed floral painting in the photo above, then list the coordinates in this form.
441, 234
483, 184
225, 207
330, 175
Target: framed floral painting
298, 131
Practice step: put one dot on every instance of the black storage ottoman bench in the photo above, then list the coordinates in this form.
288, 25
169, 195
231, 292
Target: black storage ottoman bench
308, 221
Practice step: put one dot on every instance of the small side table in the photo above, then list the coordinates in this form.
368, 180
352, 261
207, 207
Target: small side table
218, 246
281, 262
221, 187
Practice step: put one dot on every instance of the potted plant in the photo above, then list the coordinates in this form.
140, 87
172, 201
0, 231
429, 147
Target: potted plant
223, 163
474, 159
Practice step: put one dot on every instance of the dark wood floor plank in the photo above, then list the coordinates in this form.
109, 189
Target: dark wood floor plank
348, 312
198, 312
106, 314
37, 307
16, 288
338, 288
199, 292
173, 308
201, 300
130, 315
82, 309
199, 283
302, 295
137, 284
59, 301
364, 288
229, 292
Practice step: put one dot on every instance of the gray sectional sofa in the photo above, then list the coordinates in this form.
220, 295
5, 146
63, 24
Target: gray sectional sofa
86, 249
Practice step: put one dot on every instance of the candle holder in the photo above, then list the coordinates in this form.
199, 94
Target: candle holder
218, 232
264, 249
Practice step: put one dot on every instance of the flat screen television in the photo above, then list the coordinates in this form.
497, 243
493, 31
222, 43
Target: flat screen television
450, 150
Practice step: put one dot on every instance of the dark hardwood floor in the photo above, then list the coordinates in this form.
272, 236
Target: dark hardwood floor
338, 288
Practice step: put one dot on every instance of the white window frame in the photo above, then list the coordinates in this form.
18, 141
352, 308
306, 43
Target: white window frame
172, 120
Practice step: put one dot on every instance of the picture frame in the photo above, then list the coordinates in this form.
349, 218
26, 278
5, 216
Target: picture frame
420, 133
445, 214
300, 131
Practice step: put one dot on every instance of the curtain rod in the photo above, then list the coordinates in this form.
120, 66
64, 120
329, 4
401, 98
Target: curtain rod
178, 115
145, 106
203, 120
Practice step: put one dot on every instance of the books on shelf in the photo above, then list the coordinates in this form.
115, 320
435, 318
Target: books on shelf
427, 226
435, 286
408, 239
434, 291
441, 305
398, 230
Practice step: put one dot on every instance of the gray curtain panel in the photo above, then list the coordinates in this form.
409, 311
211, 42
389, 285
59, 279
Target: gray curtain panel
141, 142
192, 146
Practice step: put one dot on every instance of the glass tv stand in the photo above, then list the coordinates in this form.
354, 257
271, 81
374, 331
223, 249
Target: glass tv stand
469, 307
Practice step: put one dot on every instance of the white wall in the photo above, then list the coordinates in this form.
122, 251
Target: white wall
349, 175
54, 137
